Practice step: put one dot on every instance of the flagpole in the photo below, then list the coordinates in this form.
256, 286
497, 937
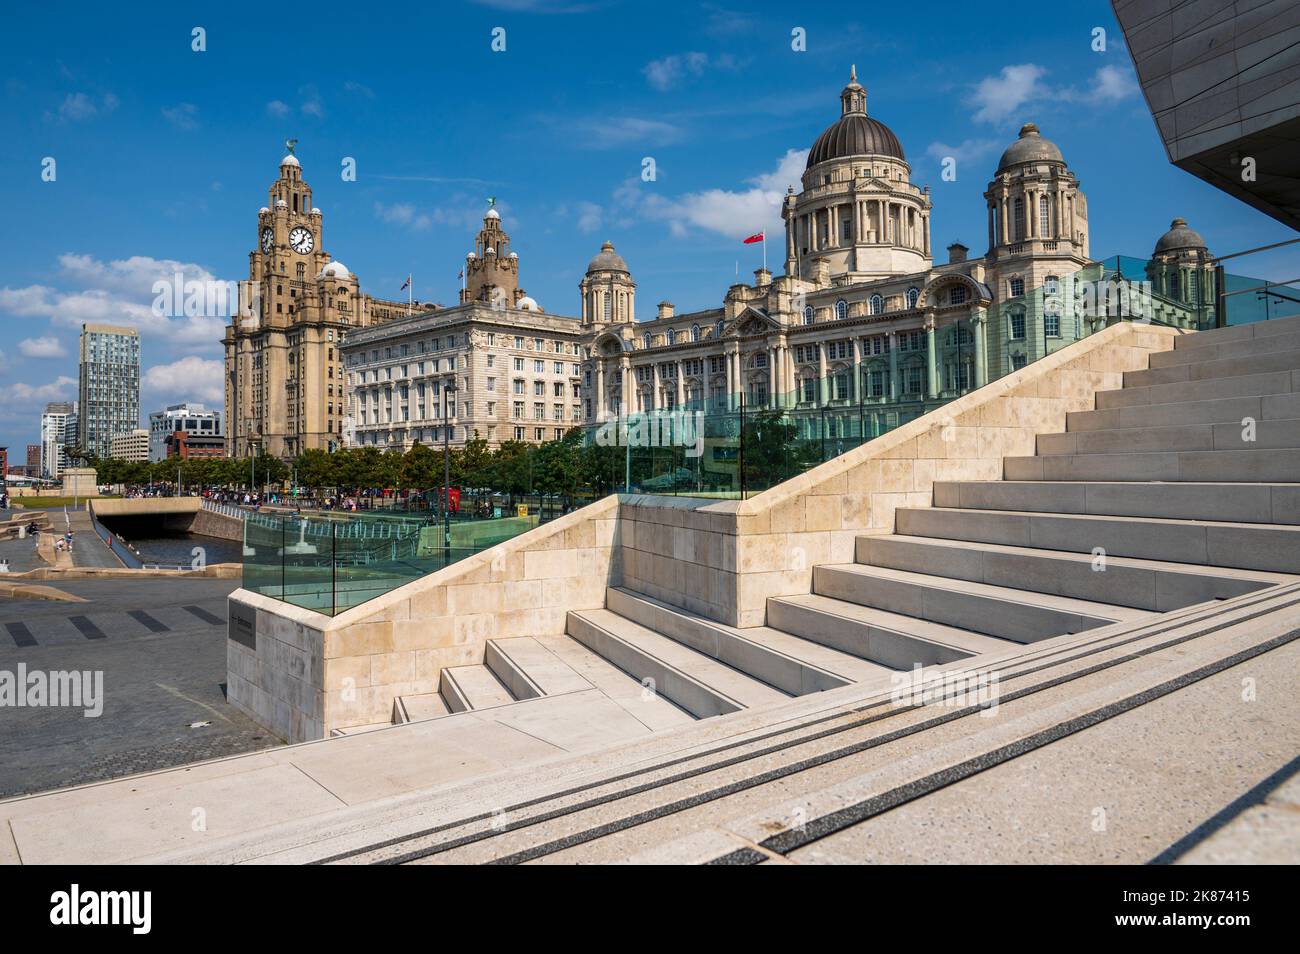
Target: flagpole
764, 249
410, 295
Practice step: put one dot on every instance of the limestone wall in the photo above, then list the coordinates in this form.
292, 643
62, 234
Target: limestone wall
724, 559
357, 663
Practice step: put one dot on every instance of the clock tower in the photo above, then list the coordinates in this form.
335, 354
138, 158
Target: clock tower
284, 378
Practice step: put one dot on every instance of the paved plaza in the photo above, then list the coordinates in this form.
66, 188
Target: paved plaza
161, 645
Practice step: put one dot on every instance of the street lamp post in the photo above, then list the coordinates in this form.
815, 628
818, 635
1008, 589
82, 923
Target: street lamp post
449, 394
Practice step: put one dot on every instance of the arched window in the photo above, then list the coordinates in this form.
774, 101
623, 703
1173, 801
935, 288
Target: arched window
913, 296
877, 304
672, 336
717, 329
1018, 214
1044, 216
609, 306
1173, 285
841, 309
1193, 289
808, 314
645, 340
695, 332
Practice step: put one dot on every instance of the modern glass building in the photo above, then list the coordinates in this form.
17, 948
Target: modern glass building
109, 388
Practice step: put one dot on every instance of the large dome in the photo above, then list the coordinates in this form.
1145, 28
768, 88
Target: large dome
1030, 147
608, 260
1178, 237
854, 133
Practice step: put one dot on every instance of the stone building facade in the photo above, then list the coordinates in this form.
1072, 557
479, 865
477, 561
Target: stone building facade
864, 321
283, 374
863, 330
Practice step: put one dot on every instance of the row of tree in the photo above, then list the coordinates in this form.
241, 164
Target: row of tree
766, 448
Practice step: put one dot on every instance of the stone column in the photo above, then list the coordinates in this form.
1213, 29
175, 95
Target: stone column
992, 210
681, 385
894, 389
600, 389
932, 358
1005, 215
823, 386
857, 371
979, 319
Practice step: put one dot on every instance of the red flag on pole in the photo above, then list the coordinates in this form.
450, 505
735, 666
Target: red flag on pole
757, 237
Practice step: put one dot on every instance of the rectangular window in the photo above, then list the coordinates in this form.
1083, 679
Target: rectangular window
1052, 326
1018, 327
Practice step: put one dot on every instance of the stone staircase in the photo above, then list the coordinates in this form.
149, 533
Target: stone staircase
1177, 490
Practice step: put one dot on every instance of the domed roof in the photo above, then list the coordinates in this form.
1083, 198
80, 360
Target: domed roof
1030, 147
492, 214
527, 304
263, 210
1179, 236
854, 133
607, 261
290, 160
334, 270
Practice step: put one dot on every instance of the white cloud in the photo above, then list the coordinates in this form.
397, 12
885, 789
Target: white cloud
46, 346
277, 108
734, 214
117, 292
625, 130
182, 116
1019, 88
670, 71
666, 73
62, 388
191, 378
311, 104
78, 106
999, 97
590, 216
403, 213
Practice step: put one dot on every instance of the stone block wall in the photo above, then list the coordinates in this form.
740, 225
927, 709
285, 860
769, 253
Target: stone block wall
397, 644
724, 559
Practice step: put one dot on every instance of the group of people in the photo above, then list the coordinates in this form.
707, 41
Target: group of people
64, 543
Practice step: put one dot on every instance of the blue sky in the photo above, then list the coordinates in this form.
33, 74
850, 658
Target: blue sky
164, 154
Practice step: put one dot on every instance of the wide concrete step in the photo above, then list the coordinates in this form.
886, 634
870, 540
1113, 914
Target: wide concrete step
778, 659
1240, 348
528, 669
1247, 546
1153, 585
1187, 500
651, 708
464, 688
1268, 466
890, 639
418, 707
1254, 330
1244, 385
1231, 435
1229, 367
1268, 407
994, 610
698, 683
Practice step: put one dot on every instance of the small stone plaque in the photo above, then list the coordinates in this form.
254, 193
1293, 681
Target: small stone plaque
243, 625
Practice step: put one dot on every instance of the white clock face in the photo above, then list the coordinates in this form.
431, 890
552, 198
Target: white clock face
300, 240
267, 236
